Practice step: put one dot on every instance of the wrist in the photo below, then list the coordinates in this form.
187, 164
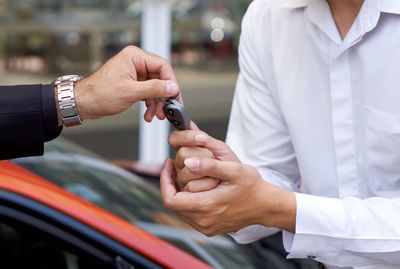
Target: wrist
83, 89
279, 208
79, 99
65, 93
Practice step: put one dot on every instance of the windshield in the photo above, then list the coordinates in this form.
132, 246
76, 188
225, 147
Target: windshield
131, 198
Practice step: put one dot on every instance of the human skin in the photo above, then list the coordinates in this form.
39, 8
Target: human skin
219, 194
131, 75
344, 12
215, 193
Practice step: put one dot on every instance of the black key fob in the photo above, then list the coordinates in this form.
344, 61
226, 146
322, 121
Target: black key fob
177, 114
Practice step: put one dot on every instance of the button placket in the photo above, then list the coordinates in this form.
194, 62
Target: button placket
343, 124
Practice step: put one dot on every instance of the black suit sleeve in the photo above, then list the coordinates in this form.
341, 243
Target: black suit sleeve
49, 113
28, 118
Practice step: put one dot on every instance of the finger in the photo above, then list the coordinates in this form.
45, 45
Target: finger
183, 177
141, 72
200, 185
194, 138
179, 98
150, 111
159, 111
193, 126
224, 170
149, 65
182, 201
187, 152
161, 67
167, 187
154, 88
183, 138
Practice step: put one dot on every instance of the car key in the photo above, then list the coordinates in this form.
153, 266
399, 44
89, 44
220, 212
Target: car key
177, 114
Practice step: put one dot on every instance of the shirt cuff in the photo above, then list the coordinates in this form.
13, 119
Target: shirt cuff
320, 229
253, 233
49, 114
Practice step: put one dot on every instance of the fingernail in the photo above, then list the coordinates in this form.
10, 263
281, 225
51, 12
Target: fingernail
192, 163
200, 138
172, 89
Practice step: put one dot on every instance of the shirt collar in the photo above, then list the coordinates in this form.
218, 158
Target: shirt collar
292, 3
387, 6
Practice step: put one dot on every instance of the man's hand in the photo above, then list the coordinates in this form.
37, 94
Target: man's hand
195, 143
130, 76
241, 199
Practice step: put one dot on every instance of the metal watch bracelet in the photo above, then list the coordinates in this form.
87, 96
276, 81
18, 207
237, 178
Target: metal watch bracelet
66, 99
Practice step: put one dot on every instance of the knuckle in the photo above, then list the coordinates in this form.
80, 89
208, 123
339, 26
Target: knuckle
172, 138
208, 154
209, 232
167, 203
191, 188
155, 84
236, 169
182, 153
128, 49
207, 206
203, 223
132, 48
180, 179
164, 62
190, 136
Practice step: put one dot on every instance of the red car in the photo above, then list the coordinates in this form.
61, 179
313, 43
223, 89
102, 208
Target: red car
71, 209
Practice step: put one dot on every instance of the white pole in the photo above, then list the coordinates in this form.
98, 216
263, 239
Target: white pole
156, 38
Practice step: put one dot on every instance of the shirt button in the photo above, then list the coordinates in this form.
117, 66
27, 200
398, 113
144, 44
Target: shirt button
311, 256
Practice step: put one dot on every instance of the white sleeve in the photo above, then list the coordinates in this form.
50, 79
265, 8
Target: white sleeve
257, 132
346, 232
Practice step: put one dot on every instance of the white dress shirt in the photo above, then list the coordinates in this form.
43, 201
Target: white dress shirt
316, 111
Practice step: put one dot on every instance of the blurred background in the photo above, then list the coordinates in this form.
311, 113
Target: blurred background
43, 39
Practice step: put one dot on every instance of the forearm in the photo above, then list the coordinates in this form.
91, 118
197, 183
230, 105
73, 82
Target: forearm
277, 209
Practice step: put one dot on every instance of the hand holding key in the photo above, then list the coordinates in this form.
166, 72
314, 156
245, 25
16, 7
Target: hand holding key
196, 143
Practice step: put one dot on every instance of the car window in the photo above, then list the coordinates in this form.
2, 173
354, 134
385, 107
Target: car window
22, 246
129, 197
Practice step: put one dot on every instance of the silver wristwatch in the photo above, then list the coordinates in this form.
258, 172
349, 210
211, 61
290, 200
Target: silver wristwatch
66, 99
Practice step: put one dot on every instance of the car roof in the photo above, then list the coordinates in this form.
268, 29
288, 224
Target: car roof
23, 182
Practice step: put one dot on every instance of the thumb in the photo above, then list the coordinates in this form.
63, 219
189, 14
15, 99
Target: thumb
206, 167
154, 88
167, 186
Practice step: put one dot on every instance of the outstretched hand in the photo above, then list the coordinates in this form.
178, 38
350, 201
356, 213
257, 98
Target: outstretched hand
130, 76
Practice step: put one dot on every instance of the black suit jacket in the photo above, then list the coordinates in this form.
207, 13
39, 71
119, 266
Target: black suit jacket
28, 118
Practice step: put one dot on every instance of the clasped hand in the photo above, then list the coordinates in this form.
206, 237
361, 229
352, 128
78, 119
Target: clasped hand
210, 189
